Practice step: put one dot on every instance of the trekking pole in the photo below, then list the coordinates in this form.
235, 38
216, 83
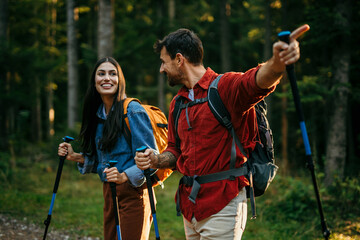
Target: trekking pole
284, 36
147, 174
112, 163
57, 180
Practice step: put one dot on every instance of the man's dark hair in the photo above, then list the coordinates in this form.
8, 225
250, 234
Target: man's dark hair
182, 41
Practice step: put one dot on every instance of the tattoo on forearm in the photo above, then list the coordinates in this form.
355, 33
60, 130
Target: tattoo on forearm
166, 160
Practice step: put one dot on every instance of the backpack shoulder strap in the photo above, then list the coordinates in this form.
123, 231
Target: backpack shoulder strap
127, 132
216, 105
176, 114
220, 112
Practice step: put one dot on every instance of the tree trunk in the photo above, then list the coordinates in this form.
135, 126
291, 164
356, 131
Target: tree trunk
51, 34
336, 146
36, 112
171, 10
72, 105
284, 104
267, 44
225, 56
105, 29
3, 43
37, 131
3, 19
160, 16
267, 52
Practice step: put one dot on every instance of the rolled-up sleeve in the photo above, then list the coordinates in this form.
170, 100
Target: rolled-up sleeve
135, 176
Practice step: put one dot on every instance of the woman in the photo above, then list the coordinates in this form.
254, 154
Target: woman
102, 140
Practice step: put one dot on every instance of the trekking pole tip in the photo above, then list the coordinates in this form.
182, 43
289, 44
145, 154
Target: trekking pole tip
326, 233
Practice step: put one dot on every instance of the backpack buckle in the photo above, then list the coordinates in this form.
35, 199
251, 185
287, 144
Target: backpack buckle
187, 181
232, 178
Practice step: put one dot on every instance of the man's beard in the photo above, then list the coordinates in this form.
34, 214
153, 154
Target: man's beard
175, 79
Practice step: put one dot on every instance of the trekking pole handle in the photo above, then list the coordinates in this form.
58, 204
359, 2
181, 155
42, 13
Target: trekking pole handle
284, 36
66, 139
143, 149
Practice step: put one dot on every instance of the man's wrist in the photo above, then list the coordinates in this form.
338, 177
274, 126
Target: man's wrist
157, 162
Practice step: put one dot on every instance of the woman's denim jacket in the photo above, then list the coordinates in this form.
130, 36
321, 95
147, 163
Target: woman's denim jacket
141, 135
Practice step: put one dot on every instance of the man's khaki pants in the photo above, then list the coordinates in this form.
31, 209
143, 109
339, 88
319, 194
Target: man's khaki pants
228, 224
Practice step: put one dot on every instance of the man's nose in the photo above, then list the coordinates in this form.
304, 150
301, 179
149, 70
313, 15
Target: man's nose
161, 68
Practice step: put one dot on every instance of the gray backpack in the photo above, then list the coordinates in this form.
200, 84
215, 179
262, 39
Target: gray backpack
260, 169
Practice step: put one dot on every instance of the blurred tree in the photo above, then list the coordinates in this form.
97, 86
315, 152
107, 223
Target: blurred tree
51, 16
3, 71
160, 24
105, 27
284, 103
37, 87
72, 65
336, 150
225, 12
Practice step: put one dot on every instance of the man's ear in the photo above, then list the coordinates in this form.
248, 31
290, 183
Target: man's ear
179, 58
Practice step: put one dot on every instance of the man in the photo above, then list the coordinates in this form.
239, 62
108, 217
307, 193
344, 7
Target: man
203, 146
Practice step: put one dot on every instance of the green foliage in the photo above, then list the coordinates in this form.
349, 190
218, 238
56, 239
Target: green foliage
33, 58
346, 196
288, 210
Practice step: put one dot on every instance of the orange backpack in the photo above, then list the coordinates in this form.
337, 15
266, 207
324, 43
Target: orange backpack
159, 125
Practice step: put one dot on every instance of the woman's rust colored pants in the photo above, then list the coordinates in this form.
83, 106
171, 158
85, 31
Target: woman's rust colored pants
134, 212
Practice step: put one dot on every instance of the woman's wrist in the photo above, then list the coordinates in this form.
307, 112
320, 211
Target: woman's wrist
123, 178
76, 157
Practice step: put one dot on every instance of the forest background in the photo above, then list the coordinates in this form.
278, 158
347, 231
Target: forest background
48, 49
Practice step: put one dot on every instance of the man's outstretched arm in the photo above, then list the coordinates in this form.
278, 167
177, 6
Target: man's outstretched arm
283, 54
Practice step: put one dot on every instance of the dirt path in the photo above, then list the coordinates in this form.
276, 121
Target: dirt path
13, 229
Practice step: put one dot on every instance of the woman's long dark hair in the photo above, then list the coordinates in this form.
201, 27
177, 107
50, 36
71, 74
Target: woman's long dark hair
113, 125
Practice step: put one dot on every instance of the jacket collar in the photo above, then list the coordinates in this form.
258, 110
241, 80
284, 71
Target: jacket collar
203, 83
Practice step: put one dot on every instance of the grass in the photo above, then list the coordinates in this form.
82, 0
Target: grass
78, 201
288, 210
